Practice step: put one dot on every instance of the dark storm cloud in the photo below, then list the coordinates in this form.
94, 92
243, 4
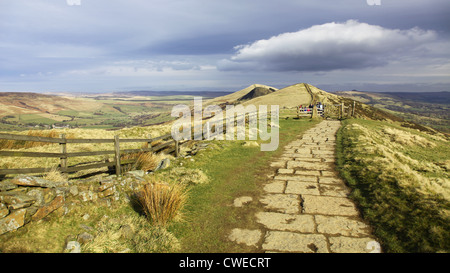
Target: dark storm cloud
49, 37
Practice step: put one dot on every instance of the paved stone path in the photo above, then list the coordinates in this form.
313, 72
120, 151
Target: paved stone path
305, 204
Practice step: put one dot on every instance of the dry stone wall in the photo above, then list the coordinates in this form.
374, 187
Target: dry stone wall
24, 198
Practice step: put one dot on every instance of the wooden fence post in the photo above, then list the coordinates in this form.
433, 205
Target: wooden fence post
149, 143
207, 130
177, 148
64, 152
117, 154
353, 108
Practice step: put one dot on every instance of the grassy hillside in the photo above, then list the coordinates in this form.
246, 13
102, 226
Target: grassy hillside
428, 108
400, 179
398, 172
26, 110
235, 96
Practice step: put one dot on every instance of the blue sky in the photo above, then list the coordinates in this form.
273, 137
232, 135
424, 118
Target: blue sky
106, 45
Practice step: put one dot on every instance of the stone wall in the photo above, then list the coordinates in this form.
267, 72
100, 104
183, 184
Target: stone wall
27, 198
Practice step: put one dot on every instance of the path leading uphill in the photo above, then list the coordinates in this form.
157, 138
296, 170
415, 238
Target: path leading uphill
305, 207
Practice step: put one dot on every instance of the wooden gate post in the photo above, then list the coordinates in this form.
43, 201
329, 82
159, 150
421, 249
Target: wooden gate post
177, 148
117, 154
353, 109
149, 143
64, 152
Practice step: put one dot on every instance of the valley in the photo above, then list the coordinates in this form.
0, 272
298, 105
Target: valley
378, 160
426, 108
24, 111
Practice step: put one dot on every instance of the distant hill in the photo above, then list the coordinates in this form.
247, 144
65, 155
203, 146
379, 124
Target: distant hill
426, 108
34, 103
206, 94
430, 97
370, 105
287, 97
233, 97
257, 92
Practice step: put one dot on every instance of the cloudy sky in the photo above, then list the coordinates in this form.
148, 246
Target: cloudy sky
118, 45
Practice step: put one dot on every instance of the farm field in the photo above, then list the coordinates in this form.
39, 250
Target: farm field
426, 108
22, 111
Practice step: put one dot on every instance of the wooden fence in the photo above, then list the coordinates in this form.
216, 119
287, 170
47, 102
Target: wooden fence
117, 152
64, 155
329, 110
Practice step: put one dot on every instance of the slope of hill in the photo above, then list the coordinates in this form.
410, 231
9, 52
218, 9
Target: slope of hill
20, 110
207, 94
33, 103
399, 177
257, 92
287, 97
234, 97
428, 108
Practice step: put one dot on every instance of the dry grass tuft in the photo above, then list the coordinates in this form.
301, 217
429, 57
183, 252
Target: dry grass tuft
55, 175
160, 202
406, 138
185, 176
145, 161
130, 233
19, 144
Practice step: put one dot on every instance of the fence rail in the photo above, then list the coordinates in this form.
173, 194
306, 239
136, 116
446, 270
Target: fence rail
64, 155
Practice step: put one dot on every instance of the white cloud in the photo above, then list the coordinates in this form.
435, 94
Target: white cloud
330, 46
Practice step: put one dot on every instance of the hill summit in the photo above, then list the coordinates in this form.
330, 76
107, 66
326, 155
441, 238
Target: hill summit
257, 92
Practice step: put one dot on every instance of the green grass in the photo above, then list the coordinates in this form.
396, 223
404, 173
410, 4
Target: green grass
396, 180
233, 171
110, 114
105, 223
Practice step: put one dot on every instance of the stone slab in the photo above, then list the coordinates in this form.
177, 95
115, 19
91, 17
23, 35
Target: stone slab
341, 225
308, 173
299, 178
328, 173
295, 187
286, 222
324, 153
245, 236
278, 164
331, 180
328, 205
295, 242
241, 201
303, 151
286, 203
338, 190
311, 159
353, 245
312, 166
13, 221
275, 187
285, 171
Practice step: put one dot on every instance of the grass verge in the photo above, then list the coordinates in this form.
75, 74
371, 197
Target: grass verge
233, 170
399, 178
